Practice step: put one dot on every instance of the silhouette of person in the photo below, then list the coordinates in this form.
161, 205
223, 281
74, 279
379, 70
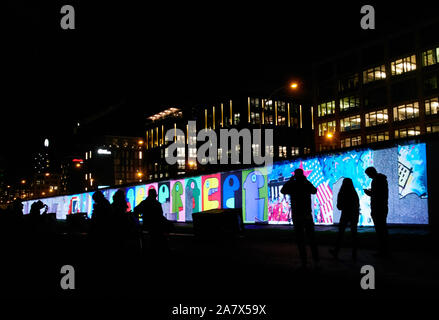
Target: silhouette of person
153, 221
121, 217
101, 217
379, 195
300, 190
349, 204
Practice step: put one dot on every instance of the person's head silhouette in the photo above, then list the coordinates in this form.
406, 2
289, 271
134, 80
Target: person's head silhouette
152, 193
371, 172
119, 196
298, 173
98, 196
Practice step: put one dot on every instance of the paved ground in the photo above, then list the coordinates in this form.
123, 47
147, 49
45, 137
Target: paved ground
260, 266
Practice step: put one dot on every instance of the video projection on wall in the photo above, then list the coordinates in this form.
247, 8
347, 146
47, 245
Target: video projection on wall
257, 190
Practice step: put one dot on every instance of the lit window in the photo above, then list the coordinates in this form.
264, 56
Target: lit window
281, 120
376, 137
376, 118
350, 123
349, 103
281, 106
403, 65
181, 164
255, 102
350, 142
256, 149
236, 118
326, 127
406, 111
373, 74
432, 128
294, 151
193, 152
282, 151
430, 57
326, 108
407, 132
431, 106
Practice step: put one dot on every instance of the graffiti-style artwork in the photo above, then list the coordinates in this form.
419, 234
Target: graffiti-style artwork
152, 186
257, 190
255, 195
177, 200
74, 204
232, 190
140, 194
278, 203
211, 191
130, 195
164, 197
412, 171
193, 197
86, 204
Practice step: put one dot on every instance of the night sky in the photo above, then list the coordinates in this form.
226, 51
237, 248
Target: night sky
148, 57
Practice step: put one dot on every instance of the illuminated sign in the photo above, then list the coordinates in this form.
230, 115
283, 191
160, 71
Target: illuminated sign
104, 151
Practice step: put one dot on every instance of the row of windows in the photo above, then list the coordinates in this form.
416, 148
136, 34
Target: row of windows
326, 108
432, 128
350, 142
378, 117
403, 112
350, 123
376, 137
403, 65
399, 66
256, 103
407, 132
327, 127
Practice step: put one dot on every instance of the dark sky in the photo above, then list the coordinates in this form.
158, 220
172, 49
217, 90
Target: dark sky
146, 57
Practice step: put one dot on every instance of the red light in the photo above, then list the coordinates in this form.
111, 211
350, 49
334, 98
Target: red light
78, 160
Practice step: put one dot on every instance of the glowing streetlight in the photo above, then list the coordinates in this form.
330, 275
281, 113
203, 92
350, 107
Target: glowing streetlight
23, 181
294, 85
139, 174
140, 142
329, 135
78, 165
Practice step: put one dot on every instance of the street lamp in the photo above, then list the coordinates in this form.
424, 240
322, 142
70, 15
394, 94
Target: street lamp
293, 85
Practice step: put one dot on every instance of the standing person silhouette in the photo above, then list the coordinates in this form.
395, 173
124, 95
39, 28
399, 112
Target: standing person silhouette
154, 221
101, 217
349, 204
300, 189
379, 195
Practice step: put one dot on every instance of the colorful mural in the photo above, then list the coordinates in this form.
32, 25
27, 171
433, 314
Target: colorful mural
257, 190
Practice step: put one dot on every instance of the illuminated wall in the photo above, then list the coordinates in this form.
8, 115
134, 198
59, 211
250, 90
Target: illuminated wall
257, 190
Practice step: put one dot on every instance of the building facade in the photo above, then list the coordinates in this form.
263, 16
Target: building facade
111, 160
289, 120
380, 91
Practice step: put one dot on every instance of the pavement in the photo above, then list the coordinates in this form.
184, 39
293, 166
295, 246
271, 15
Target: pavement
260, 265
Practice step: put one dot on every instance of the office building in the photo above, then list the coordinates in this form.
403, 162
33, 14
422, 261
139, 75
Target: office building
384, 90
289, 120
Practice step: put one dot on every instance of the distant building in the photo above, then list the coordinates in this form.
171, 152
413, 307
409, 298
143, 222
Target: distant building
380, 91
111, 160
290, 121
